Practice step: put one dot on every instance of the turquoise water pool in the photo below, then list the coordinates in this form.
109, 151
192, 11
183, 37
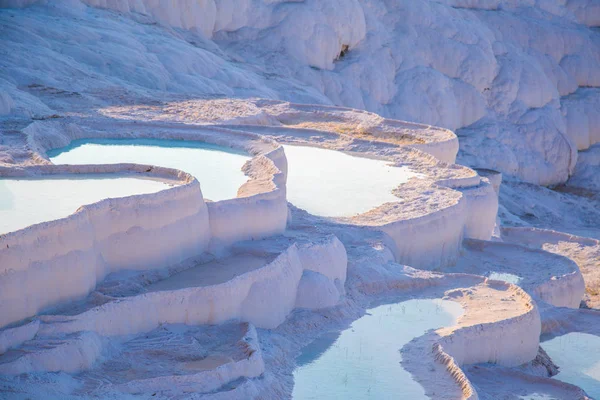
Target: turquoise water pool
24, 202
363, 361
217, 168
334, 184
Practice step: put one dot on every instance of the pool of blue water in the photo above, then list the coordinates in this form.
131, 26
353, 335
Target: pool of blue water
505, 276
25, 202
363, 361
335, 184
217, 168
578, 356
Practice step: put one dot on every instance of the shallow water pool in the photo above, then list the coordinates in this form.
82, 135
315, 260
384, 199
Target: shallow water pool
217, 168
505, 276
363, 361
25, 202
578, 356
334, 184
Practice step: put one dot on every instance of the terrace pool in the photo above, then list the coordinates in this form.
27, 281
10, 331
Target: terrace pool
363, 361
217, 168
578, 356
505, 276
334, 184
25, 202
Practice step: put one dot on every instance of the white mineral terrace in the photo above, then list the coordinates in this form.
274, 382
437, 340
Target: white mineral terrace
175, 224
142, 283
547, 277
150, 284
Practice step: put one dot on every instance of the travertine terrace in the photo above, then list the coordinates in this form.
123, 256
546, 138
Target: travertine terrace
218, 261
171, 295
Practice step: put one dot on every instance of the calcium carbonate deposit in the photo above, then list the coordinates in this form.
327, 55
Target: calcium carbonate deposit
319, 199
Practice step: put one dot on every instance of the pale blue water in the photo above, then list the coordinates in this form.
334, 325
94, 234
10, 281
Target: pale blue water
334, 184
578, 356
363, 361
217, 168
25, 202
505, 276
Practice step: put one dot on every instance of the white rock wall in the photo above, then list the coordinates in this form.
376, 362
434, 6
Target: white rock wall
444, 151
197, 14
240, 219
494, 177
260, 214
313, 34
263, 297
325, 267
482, 209
431, 240
586, 11
509, 342
137, 233
563, 291
327, 258
468, 342
582, 117
549, 277
62, 260
495, 342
